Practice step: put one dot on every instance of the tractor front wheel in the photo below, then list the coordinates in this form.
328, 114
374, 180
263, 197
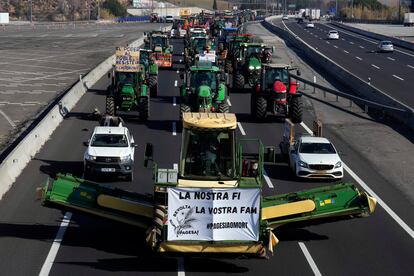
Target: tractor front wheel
153, 85
110, 105
239, 81
143, 109
260, 108
223, 108
296, 109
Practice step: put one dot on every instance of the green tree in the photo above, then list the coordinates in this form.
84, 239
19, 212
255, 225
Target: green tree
114, 7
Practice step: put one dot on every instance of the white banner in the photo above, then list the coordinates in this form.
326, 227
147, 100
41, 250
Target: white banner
213, 214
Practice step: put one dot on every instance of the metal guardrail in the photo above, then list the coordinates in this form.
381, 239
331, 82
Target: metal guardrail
351, 98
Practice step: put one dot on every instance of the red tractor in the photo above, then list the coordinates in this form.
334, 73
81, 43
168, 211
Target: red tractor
276, 93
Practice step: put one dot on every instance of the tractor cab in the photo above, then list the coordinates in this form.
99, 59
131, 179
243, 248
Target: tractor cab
158, 42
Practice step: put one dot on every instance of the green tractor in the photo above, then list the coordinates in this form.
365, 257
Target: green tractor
159, 43
151, 69
128, 91
214, 203
204, 89
231, 50
248, 64
269, 97
196, 46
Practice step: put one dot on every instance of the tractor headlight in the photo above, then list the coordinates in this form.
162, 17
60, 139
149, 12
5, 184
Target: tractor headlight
338, 164
258, 67
90, 157
303, 164
125, 158
251, 67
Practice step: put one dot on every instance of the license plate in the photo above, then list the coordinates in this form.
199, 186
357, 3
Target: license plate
108, 169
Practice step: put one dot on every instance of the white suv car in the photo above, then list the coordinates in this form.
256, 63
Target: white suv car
333, 34
315, 157
110, 150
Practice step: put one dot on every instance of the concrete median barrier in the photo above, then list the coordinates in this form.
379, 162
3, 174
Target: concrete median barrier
18, 154
358, 86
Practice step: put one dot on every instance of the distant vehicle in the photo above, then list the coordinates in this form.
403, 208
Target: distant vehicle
333, 34
310, 25
409, 19
315, 157
285, 17
110, 150
154, 17
385, 46
169, 19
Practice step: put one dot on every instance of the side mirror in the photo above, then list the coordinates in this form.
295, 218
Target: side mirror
298, 72
269, 156
148, 154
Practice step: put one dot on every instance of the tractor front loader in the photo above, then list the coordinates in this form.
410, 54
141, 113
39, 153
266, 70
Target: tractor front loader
214, 203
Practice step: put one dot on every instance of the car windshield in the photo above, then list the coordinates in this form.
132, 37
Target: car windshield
386, 43
333, 32
208, 154
276, 74
208, 78
317, 148
109, 140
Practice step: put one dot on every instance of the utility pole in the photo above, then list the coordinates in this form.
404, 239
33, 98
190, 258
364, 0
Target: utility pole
98, 16
31, 11
89, 10
336, 9
352, 9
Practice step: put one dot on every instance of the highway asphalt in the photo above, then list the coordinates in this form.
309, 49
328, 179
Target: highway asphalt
38, 64
390, 72
92, 246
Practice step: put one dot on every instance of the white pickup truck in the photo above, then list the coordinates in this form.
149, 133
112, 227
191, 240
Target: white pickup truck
110, 150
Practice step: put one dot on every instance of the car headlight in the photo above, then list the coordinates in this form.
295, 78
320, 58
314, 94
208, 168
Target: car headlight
90, 157
338, 164
303, 164
251, 67
125, 158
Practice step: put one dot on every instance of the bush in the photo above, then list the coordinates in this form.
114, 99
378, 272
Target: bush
106, 14
114, 7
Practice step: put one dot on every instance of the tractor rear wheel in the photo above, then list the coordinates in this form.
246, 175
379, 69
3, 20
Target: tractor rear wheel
260, 108
228, 67
153, 85
110, 105
184, 109
296, 109
239, 81
143, 109
223, 108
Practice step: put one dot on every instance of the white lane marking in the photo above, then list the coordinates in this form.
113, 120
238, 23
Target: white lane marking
359, 58
47, 265
174, 101
362, 47
336, 46
180, 266
372, 193
267, 179
310, 260
228, 102
175, 83
346, 51
373, 65
327, 42
412, 67
343, 39
178, 71
241, 128
8, 118
351, 42
175, 166
174, 128
397, 77
181, 60
390, 58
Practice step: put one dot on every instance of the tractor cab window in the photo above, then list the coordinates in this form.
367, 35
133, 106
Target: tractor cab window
274, 74
125, 78
199, 44
253, 51
199, 78
208, 154
144, 58
159, 41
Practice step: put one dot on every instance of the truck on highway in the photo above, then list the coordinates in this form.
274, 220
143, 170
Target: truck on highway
214, 202
409, 19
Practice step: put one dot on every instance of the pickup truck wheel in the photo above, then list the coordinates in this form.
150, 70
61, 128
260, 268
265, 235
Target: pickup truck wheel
110, 105
296, 110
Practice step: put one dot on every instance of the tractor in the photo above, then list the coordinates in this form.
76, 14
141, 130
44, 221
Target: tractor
159, 44
128, 91
151, 69
231, 49
204, 89
248, 63
197, 46
276, 92
214, 203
